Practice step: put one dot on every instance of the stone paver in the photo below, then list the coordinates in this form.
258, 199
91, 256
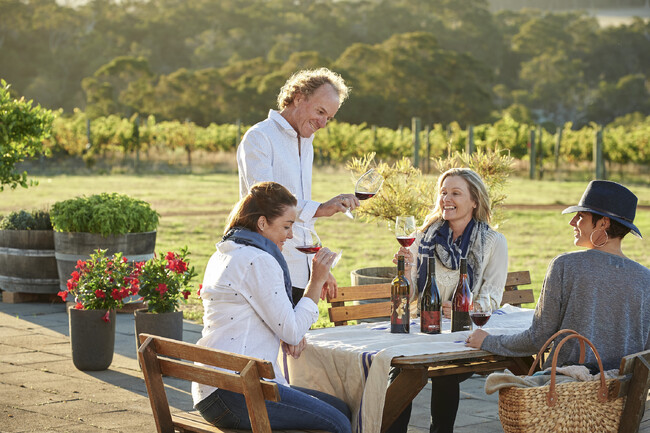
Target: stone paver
42, 391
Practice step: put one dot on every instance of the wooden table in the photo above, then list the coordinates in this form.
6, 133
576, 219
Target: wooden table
352, 362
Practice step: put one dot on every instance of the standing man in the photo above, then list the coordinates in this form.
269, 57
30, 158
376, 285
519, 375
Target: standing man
280, 149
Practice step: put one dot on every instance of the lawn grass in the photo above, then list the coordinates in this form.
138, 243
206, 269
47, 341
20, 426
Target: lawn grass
194, 208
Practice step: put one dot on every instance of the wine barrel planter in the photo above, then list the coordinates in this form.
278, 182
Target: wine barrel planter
69, 247
27, 262
375, 275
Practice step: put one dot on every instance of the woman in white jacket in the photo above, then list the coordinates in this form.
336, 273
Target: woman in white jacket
249, 310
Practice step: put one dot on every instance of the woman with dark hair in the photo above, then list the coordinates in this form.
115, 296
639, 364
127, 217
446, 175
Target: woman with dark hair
248, 310
458, 227
598, 292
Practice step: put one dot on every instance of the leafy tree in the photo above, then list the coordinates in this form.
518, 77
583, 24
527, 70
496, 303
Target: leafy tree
22, 129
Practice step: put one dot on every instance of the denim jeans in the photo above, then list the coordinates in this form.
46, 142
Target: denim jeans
298, 409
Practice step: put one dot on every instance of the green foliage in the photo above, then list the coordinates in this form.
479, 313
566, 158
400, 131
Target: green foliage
101, 283
165, 280
23, 220
405, 190
493, 166
22, 129
106, 214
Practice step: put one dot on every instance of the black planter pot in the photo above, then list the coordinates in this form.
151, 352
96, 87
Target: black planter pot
168, 325
92, 340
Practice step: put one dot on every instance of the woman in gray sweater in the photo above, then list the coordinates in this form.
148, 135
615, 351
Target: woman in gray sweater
598, 292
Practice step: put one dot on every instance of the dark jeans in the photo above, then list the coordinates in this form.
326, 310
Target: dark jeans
445, 394
298, 409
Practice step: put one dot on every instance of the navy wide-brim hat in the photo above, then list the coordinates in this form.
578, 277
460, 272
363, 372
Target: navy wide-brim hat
609, 199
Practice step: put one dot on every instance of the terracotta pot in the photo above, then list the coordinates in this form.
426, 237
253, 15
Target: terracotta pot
168, 325
92, 340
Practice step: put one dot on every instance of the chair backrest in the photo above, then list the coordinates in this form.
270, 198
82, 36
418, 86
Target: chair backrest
636, 369
163, 356
339, 313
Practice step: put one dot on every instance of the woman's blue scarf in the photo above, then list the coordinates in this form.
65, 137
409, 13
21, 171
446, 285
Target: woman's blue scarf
438, 240
244, 236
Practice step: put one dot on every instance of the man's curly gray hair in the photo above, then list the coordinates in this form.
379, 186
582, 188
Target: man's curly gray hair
307, 81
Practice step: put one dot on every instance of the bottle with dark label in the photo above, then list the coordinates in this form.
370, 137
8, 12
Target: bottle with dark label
399, 297
461, 301
430, 304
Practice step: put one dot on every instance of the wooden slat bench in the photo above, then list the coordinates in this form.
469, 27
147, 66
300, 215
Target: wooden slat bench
339, 313
635, 417
163, 356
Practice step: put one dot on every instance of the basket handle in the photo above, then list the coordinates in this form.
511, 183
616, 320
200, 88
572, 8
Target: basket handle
548, 342
551, 396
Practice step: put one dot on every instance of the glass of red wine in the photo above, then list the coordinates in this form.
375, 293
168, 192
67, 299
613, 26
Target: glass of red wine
479, 314
309, 242
367, 186
405, 230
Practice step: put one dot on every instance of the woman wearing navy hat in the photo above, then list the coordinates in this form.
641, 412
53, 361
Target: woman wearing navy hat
598, 292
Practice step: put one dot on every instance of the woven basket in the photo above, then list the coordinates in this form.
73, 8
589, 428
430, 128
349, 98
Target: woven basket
570, 407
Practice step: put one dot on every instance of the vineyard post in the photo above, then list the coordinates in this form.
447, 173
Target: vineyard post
598, 153
469, 144
427, 131
416, 127
373, 128
136, 142
531, 144
540, 151
558, 140
449, 137
90, 141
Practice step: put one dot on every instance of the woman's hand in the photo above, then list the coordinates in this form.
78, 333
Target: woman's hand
330, 288
321, 264
294, 350
476, 338
408, 259
446, 309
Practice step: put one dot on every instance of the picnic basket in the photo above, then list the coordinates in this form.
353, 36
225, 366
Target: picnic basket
592, 406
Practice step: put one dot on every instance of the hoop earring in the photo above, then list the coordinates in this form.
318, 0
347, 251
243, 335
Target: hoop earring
601, 245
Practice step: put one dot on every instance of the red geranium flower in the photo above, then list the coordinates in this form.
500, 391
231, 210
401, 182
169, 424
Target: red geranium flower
100, 293
63, 294
79, 306
106, 318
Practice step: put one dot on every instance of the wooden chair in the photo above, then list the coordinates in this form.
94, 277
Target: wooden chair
339, 313
163, 356
636, 369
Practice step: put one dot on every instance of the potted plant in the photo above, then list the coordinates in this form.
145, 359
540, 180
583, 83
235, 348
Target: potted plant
27, 263
98, 286
114, 222
164, 282
406, 191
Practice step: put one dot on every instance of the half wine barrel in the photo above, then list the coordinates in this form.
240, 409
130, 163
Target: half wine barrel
27, 263
71, 247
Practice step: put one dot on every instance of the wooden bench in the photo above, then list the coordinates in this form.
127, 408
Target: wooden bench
339, 313
636, 369
163, 356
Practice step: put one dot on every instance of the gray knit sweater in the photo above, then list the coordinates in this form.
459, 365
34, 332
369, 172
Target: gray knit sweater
602, 296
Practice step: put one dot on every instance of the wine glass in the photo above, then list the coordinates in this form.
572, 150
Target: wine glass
367, 187
405, 230
310, 243
479, 314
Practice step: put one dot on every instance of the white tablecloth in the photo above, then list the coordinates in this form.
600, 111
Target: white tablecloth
352, 362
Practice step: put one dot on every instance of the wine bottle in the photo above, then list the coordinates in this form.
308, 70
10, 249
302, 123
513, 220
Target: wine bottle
399, 297
460, 302
430, 302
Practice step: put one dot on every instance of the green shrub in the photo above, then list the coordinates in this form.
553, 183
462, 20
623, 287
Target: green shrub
23, 220
106, 214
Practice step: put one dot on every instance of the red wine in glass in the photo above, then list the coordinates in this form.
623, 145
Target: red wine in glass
364, 195
405, 241
480, 318
309, 249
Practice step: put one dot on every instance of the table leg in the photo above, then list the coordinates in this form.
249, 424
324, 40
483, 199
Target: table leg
401, 392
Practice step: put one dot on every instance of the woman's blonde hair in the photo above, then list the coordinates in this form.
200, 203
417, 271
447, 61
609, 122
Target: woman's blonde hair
477, 189
306, 82
268, 199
